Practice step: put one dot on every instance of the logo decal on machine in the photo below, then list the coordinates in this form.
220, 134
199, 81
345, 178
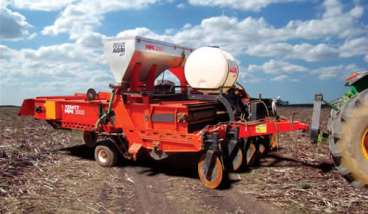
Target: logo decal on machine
234, 69
119, 47
73, 109
153, 47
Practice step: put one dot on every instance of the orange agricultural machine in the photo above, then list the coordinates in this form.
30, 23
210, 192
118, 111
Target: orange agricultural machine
206, 111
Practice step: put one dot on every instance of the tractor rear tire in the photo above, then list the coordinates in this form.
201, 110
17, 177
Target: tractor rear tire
106, 155
348, 139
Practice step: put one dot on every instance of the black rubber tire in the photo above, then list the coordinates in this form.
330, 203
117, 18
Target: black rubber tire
217, 176
106, 155
346, 129
90, 139
267, 144
237, 162
91, 94
251, 153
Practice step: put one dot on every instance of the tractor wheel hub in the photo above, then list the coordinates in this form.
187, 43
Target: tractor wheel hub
102, 156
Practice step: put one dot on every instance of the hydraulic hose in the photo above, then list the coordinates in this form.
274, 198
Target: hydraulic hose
106, 114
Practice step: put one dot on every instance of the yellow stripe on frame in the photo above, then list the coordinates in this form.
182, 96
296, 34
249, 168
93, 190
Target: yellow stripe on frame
50, 110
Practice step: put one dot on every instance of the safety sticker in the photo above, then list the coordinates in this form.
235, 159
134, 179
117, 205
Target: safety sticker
262, 128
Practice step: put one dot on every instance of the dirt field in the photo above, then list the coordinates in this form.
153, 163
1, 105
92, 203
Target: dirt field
47, 171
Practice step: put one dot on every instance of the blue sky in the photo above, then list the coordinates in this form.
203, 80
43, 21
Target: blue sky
287, 48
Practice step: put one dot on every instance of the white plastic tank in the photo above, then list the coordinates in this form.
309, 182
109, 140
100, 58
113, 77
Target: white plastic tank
211, 69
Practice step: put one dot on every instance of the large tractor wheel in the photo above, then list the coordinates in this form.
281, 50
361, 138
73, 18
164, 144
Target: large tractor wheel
348, 139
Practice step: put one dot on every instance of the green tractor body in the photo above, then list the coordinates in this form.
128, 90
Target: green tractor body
348, 129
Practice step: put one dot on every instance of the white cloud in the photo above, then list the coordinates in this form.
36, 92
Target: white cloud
91, 40
84, 16
226, 32
4, 3
43, 5
304, 51
13, 25
181, 5
354, 47
357, 12
276, 67
330, 72
248, 77
56, 69
333, 8
281, 77
334, 22
250, 5
145, 32
54, 60
256, 37
275, 70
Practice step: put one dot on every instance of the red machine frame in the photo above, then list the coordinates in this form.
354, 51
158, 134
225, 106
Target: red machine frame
142, 123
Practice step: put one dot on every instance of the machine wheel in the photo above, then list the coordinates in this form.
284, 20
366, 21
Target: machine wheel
216, 176
348, 139
91, 94
238, 159
90, 139
106, 155
267, 144
251, 153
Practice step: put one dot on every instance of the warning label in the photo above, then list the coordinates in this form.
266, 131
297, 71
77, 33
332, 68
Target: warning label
262, 128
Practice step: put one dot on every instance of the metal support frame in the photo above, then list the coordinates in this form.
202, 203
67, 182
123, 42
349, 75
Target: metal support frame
232, 139
314, 130
211, 153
